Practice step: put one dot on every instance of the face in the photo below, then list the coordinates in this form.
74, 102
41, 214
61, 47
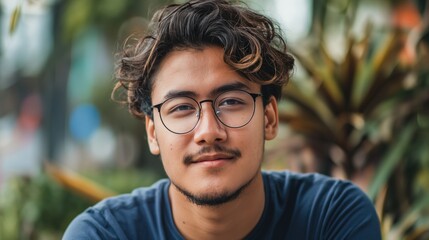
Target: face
212, 161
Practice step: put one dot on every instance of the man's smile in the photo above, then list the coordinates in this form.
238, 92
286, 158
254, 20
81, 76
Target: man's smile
213, 156
213, 160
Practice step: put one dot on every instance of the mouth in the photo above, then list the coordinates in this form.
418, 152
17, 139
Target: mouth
213, 157
213, 160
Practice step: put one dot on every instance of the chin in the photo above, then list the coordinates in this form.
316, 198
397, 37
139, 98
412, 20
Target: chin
213, 198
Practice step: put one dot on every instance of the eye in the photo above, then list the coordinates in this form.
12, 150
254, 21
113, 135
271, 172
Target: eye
230, 102
181, 108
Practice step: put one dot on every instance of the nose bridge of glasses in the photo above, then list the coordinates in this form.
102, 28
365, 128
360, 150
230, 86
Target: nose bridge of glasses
211, 104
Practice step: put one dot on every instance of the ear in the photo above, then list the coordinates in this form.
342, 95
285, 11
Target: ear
271, 119
151, 136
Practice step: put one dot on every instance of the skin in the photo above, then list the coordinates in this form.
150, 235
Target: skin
212, 173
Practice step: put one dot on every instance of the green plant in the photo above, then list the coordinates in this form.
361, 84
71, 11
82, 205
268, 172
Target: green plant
42, 206
37, 208
363, 116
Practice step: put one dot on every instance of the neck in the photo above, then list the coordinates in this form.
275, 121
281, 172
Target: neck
231, 220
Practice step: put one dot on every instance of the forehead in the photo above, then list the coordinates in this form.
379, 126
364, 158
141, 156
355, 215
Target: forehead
197, 71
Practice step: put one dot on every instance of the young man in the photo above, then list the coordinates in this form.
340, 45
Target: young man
206, 81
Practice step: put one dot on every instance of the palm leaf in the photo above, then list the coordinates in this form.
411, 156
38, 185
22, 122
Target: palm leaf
369, 73
323, 78
16, 15
346, 73
311, 106
410, 218
78, 184
387, 88
390, 160
302, 124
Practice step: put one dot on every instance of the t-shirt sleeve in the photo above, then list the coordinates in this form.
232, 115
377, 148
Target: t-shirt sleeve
93, 225
351, 215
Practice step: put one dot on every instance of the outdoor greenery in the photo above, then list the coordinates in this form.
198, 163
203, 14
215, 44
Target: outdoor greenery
361, 115
41, 207
364, 117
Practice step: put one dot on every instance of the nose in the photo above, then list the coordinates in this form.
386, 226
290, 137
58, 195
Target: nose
209, 130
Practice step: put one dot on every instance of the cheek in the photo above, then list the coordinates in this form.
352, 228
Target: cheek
168, 145
258, 135
171, 146
170, 155
166, 140
251, 139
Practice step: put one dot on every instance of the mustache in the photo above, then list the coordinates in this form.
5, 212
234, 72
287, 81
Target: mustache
189, 158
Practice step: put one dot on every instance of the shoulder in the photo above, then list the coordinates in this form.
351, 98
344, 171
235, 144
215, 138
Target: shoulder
331, 208
116, 216
125, 205
298, 178
143, 195
309, 184
313, 189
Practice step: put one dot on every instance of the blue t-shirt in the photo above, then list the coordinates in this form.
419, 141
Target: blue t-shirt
297, 206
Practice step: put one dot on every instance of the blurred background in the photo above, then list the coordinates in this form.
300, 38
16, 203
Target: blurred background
356, 108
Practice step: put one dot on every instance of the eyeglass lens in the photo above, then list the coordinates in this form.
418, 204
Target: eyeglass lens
233, 109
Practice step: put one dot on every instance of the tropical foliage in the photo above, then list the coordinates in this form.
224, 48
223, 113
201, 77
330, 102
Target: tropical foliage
360, 115
364, 117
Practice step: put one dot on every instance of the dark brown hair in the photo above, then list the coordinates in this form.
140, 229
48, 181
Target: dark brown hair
252, 45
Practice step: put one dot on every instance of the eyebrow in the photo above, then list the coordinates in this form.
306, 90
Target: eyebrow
214, 92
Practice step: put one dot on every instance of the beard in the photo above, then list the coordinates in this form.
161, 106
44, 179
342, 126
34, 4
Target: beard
213, 200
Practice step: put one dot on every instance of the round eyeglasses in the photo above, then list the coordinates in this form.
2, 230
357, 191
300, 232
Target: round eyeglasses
233, 109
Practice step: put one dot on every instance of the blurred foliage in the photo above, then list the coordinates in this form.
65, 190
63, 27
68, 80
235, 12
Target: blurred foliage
365, 114
14, 20
123, 181
79, 184
41, 207
342, 117
107, 15
38, 207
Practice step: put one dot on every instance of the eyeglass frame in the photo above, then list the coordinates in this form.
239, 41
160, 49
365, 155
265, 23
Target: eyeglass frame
200, 107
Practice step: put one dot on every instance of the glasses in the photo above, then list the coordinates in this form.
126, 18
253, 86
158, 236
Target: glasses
233, 109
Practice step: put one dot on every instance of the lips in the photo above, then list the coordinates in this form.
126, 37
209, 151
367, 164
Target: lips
212, 157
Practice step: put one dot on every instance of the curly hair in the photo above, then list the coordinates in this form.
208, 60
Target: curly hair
252, 46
